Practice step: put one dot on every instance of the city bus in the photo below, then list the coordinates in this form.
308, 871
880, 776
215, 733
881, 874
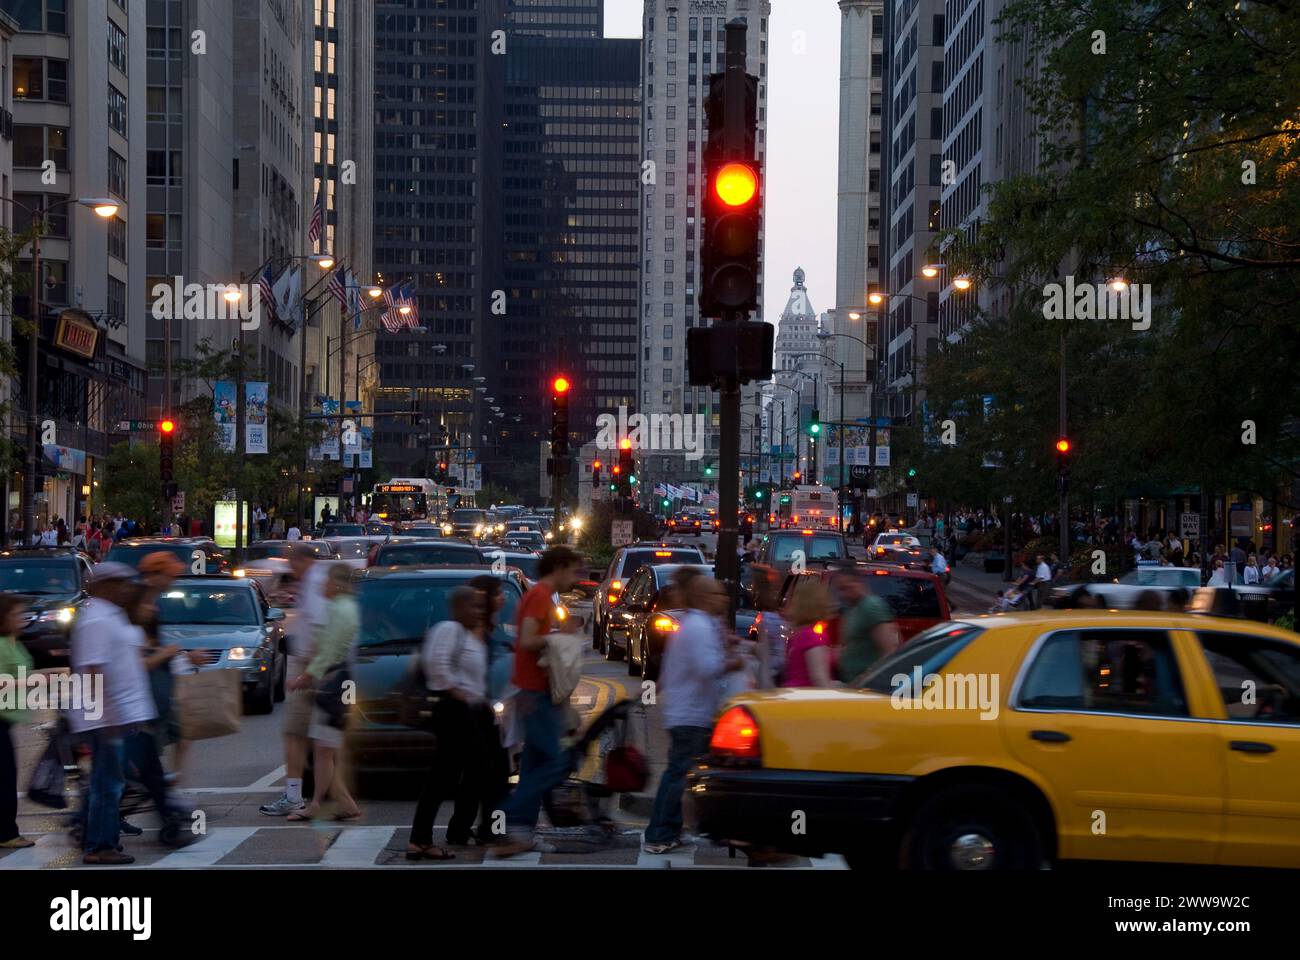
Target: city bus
807, 505
408, 498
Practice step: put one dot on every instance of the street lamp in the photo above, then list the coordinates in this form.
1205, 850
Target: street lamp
105, 208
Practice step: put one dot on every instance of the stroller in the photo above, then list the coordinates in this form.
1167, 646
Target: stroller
578, 803
61, 765
1009, 600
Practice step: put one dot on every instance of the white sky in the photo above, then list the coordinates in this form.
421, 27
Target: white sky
802, 141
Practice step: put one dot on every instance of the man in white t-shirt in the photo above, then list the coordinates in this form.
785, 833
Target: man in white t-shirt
106, 651
308, 614
294, 533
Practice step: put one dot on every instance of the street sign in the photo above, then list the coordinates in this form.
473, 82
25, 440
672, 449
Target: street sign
137, 426
620, 533
1189, 525
178, 502
911, 500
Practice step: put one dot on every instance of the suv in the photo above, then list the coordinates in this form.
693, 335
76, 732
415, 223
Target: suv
777, 548
52, 582
188, 550
916, 597
627, 560
413, 553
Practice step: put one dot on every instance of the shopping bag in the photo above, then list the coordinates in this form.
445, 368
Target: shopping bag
47, 786
209, 703
563, 660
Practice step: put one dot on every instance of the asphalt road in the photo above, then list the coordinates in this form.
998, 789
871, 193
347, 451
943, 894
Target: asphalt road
228, 778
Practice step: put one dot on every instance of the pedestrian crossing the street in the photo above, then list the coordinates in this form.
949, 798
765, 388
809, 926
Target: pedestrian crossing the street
365, 847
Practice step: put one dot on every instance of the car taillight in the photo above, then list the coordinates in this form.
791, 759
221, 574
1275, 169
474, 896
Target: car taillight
819, 627
736, 736
665, 624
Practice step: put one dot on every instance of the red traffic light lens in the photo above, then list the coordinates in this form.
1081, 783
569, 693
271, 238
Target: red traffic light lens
735, 184
1062, 446
560, 385
625, 444
167, 426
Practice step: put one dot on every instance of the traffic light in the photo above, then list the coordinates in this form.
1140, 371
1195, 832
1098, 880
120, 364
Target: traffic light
815, 424
910, 479
708, 470
595, 472
732, 195
665, 503
560, 416
166, 434
626, 469
1064, 450
440, 475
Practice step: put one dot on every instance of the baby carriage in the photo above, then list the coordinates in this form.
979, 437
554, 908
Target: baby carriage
620, 768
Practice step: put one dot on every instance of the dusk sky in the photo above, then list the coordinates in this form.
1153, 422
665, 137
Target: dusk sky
802, 134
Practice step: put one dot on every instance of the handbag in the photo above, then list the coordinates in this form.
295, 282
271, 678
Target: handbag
329, 695
48, 779
209, 703
419, 707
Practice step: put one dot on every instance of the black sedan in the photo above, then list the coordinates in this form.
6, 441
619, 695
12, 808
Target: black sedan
403, 552
639, 628
52, 583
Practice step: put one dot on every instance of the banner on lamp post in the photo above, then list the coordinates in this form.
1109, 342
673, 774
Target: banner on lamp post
255, 399
224, 412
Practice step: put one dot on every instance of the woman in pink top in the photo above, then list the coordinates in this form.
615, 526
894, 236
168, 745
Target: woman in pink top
809, 661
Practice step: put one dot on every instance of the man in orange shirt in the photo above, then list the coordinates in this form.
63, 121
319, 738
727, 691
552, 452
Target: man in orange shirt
543, 764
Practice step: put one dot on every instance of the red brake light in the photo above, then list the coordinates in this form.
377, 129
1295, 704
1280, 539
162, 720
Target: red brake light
819, 627
736, 735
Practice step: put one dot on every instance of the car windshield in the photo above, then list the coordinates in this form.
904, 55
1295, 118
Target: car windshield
352, 549
36, 577
401, 610
908, 596
814, 547
225, 605
929, 652
345, 530
468, 516
407, 555
132, 554
1163, 577
528, 565
636, 559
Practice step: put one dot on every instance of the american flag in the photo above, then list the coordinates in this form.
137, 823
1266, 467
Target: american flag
317, 216
338, 287
265, 293
407, 298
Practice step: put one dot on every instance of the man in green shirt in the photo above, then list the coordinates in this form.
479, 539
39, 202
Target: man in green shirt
867, 629
15, 663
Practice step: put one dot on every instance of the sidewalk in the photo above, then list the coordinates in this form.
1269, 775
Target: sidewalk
973, 590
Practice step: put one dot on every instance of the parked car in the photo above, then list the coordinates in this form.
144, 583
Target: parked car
1035, 723
417, 552
625, 562
1123, 593
52, 582
398, 608
199, 555
230, 620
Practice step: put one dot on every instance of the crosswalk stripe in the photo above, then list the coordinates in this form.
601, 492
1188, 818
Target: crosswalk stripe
218, 842
357, 847
49, 848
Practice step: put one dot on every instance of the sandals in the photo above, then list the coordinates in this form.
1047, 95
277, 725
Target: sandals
431, 852
299, 817
347, 817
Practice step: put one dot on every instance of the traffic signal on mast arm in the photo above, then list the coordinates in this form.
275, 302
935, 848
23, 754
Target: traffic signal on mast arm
560, 387
166, 436
1064, 450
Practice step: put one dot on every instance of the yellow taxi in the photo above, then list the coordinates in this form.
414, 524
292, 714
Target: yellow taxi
1013, 741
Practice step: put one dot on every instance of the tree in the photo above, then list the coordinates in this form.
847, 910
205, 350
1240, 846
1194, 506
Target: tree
12, 246
1170, 160
131, 482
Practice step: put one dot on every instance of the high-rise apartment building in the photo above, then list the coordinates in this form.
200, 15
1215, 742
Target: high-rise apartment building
683, 42
77, 83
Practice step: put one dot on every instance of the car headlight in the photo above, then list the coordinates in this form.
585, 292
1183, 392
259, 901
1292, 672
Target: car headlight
448, 529
575, 524
241, 653
478, 529
550, 536
240, 572
61, 615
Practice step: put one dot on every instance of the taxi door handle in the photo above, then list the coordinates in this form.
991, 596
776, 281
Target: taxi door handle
1251, 746
1050, 736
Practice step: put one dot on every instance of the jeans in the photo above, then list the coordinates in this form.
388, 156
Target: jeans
140, 751
8, 784
543, 765
103, 801
686, 743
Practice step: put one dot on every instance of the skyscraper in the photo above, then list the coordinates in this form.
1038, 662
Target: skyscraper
683, 42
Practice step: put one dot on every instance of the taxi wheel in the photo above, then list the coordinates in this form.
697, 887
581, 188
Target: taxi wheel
971, 827
612, 651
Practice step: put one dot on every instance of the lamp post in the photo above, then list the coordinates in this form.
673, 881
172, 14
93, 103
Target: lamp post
798, 425
105, 208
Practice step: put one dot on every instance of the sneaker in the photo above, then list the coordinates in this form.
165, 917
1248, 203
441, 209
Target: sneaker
128, 829
282, 807
659, 849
